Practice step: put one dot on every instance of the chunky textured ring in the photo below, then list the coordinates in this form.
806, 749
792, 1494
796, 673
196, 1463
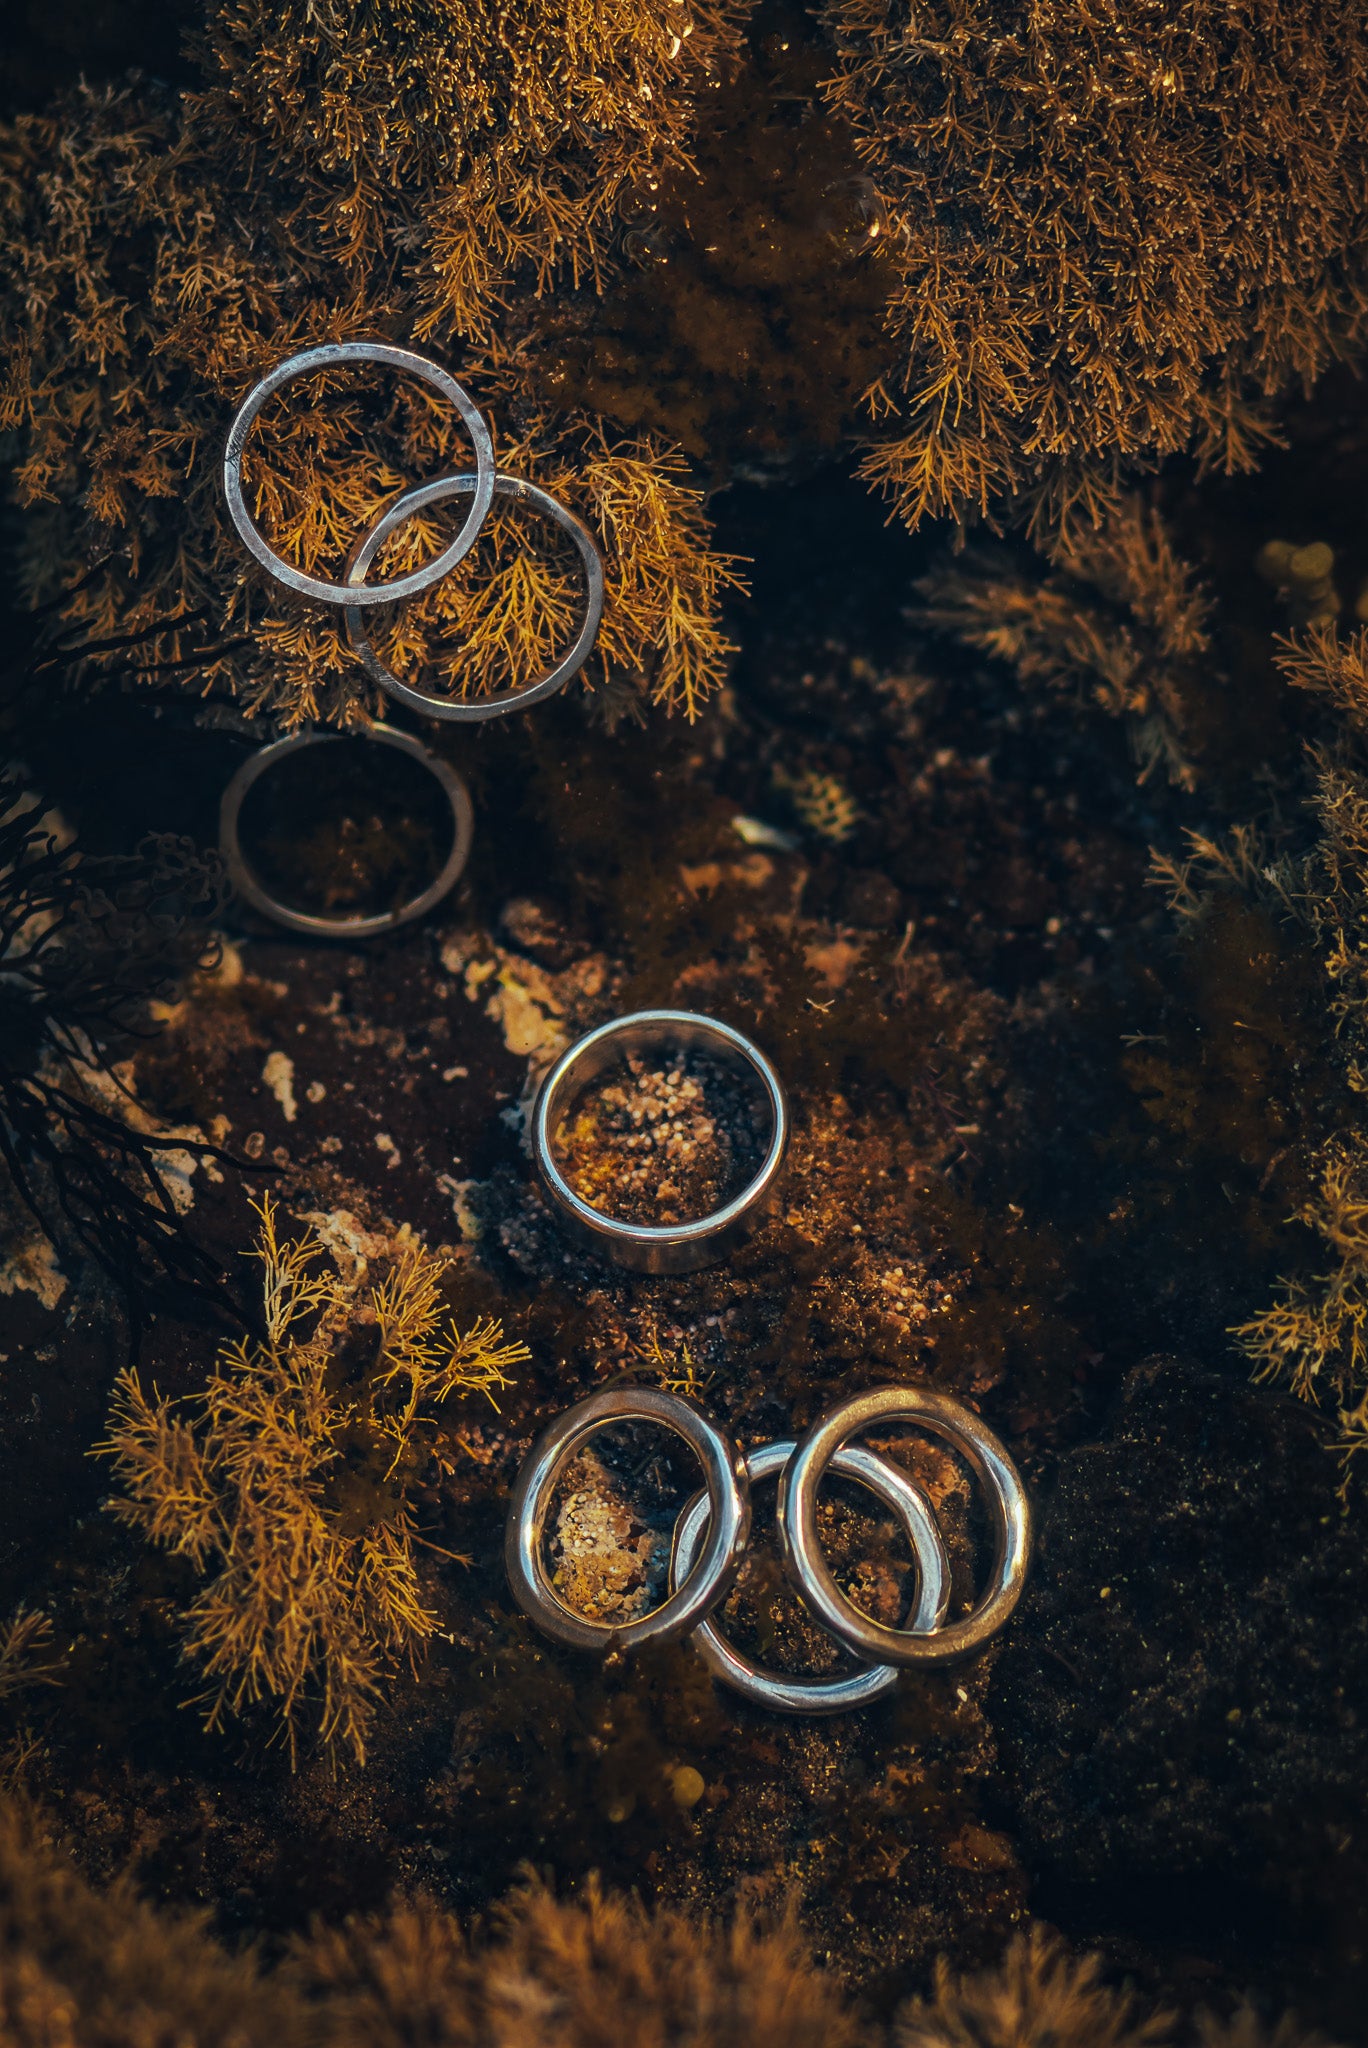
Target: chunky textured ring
329, 355
252, 891
656, 1248
811, 1574
710, 1579
433, 493
777, 1691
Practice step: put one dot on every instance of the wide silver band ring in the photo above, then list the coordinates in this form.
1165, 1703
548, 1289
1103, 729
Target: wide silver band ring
332, 355
249, 886
810, 1573
433, 493
657, 1248
778, 1691
710, 1579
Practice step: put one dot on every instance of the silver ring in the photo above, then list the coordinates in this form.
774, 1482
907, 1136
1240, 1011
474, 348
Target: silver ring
433, 493
728, 1498
252, 891
777, 1690
328, 355
656, 1248
811, 1574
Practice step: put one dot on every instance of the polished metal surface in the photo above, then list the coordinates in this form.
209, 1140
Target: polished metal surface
727, 1496
336, 355
417, 500
782, 1692
657, 1248
1011, 1511
250, 888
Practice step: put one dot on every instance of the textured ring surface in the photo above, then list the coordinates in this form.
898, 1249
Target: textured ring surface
727, 1494
657, 1248
251, 889
964, 1432
779, 1691
433, 493
332, 355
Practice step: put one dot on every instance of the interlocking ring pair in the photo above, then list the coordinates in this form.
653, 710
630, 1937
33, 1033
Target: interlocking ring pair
354, 595
713, 1528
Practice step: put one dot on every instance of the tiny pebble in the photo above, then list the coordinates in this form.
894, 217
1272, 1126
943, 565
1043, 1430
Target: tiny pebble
687, 1785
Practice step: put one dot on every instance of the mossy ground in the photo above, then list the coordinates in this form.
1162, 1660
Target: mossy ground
1033, 1145
1039, 1137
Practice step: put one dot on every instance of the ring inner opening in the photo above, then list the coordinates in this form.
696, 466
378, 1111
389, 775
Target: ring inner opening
867, 1549
955, 1499
665, 1136
330, 450
352, 828
498, 621
610, 1518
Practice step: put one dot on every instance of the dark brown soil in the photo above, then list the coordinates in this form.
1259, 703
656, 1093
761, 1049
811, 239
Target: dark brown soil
665, 1143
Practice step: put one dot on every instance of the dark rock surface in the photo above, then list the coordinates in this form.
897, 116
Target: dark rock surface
1183, 1711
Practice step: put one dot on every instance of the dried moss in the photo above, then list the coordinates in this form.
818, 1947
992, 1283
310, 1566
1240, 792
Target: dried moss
101, 1966
1040, 1994
107, 1970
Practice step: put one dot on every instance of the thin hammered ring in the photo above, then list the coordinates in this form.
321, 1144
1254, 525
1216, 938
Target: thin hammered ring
252, 891
433, 493
811, 1574
778, 1691
657, 1248
330, 355
710, 1580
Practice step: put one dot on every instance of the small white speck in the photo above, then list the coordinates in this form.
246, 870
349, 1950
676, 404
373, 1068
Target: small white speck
755, 832
278, 1074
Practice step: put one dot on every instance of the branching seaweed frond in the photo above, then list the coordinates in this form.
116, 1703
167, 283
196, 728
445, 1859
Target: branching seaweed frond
1244, 860
1117, 616
26, 1653
1321, 661
1314, 1336
1117, 236
284, 1483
